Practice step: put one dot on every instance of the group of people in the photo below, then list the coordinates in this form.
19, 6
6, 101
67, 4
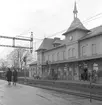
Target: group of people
86, 75
11, 76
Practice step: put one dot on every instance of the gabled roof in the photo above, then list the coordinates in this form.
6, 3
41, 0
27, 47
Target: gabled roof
93, 32
46, 44
76, 24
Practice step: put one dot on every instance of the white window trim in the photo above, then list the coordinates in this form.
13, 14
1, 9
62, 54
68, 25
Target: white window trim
83, 50
93, 50
73, 52
58, 56
69, 52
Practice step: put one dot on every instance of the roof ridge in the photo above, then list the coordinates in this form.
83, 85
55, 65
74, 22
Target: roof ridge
75, 24
96, 27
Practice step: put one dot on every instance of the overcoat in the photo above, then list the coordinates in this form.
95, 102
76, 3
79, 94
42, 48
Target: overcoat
9, 75
14, 76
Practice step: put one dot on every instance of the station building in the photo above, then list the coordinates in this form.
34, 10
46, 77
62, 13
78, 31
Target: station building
81, 48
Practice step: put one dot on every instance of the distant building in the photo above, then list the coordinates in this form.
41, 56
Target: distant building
80, 49
32, 69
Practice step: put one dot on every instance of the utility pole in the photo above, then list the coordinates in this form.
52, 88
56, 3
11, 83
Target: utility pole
31, 43
25, 57
91, 86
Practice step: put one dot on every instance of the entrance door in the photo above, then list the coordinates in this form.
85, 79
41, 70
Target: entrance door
70, 74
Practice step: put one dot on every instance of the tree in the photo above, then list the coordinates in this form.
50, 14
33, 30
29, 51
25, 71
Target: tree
3, 64
16, 57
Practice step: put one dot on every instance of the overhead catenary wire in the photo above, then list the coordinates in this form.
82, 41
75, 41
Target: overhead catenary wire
85, 21
91, 18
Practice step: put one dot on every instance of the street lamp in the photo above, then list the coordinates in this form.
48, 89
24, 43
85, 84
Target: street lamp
91, 86
24, 59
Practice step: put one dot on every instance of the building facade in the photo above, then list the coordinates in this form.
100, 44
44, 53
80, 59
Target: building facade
81, 49
32, 69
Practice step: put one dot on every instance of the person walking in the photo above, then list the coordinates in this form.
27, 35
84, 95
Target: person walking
9, 76
14, 76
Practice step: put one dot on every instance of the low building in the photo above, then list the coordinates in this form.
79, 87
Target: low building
32, 69
69, 58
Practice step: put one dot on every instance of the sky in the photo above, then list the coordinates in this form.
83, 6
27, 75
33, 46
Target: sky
43, 18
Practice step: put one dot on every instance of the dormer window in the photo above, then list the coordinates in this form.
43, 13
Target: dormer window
56, 42
56, 45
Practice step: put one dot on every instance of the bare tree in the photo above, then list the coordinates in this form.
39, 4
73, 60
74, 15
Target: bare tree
16, 57
3, 64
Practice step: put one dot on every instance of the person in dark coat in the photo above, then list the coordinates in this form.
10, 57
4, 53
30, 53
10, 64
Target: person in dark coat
9, 76
14, 77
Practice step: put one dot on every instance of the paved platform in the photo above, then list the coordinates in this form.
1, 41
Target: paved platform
66, 81
77, 86
27, 95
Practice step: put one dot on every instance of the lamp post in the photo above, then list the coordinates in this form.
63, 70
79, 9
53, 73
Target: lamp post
24, 59
90, 86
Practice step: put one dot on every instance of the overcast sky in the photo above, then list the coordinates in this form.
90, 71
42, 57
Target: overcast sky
43, 17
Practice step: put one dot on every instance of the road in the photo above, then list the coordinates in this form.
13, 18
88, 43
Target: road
27, 95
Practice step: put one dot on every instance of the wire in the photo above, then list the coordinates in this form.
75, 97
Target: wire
29, 37
92, 17
85, 21
57, 33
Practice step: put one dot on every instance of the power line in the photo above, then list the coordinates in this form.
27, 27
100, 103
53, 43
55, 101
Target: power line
57, 33
88, 19
85, 21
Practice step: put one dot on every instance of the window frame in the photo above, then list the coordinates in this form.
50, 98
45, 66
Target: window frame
83, 50
64, 53
57, 56
73, 52
69, 52
94, 49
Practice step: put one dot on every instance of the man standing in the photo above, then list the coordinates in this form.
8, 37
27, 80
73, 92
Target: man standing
14, 77
9, 76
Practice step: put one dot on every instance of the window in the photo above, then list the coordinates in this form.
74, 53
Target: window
64, 55
93, 48
52, 57
38, 57
73, 52
83, 50
44, 58
95, 67
58, 56
69, 53
48, 57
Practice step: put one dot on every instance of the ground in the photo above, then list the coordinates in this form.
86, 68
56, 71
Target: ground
27, 95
